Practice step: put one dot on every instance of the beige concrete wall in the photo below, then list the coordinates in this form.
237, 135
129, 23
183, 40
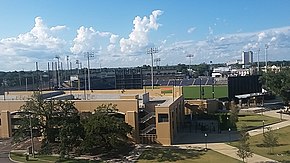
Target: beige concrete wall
11, 106
6, 130
125, 91
167, 131
163, 131
131, 118
123, 105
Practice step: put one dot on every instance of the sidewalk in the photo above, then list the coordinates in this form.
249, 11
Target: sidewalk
231, 151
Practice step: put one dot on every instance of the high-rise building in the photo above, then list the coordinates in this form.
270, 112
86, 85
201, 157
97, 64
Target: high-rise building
247, 57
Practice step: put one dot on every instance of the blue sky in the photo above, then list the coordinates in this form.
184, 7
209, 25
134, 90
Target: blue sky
38, 30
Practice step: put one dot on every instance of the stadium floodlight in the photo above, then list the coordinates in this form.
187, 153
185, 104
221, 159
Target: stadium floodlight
57, 69
258, 58
152, 51
88, 55
190, 56
266, 57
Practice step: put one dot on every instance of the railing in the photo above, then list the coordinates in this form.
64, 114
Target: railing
147, 117
148, 139
148, 129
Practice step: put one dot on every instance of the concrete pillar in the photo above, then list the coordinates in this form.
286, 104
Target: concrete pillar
131, 118
6, 130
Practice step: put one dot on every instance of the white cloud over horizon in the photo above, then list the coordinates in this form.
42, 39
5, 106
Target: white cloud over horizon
138, 38
42, 43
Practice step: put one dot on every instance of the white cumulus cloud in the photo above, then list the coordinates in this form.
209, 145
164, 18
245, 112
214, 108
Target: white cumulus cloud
89, 39
138, 38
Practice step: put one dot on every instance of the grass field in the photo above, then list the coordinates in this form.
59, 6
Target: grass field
193, 92
184, 156
281, 152
255, 120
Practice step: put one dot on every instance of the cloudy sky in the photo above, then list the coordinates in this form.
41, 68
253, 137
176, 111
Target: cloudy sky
119, 33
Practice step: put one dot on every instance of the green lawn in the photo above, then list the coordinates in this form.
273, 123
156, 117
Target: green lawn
184, 156
281, 152
193, 92
255, 120
44, 159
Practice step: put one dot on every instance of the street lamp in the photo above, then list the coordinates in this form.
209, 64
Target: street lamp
263, 127
229, 135
31, 132
205, 136
212, 90
280, 114
228, 122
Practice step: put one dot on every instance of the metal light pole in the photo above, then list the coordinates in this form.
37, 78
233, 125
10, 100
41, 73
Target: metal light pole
57, 69
280, 114
157, 62
266, 57
78, 63
229, 135
152, 51
205, 136
213, 89
263, 127
190, 56
258, 62
31, 136
89, 55
199, 87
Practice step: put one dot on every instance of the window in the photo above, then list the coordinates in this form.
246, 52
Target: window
162, 118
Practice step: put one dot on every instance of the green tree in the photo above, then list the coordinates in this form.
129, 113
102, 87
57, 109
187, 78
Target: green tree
48, 117
244, 150
71, 130
234, 114
202, 69
104, 130
278, 83
270, 140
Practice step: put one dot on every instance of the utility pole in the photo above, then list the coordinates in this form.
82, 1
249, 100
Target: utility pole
89, 55
152, 51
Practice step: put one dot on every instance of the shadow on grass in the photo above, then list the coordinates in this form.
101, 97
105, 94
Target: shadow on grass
264, 146
78, 161
252, 120
170, 155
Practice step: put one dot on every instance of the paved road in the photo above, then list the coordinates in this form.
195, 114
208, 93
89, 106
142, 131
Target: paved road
5, 148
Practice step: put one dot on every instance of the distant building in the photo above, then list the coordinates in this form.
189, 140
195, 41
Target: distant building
247, 57
229, 63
